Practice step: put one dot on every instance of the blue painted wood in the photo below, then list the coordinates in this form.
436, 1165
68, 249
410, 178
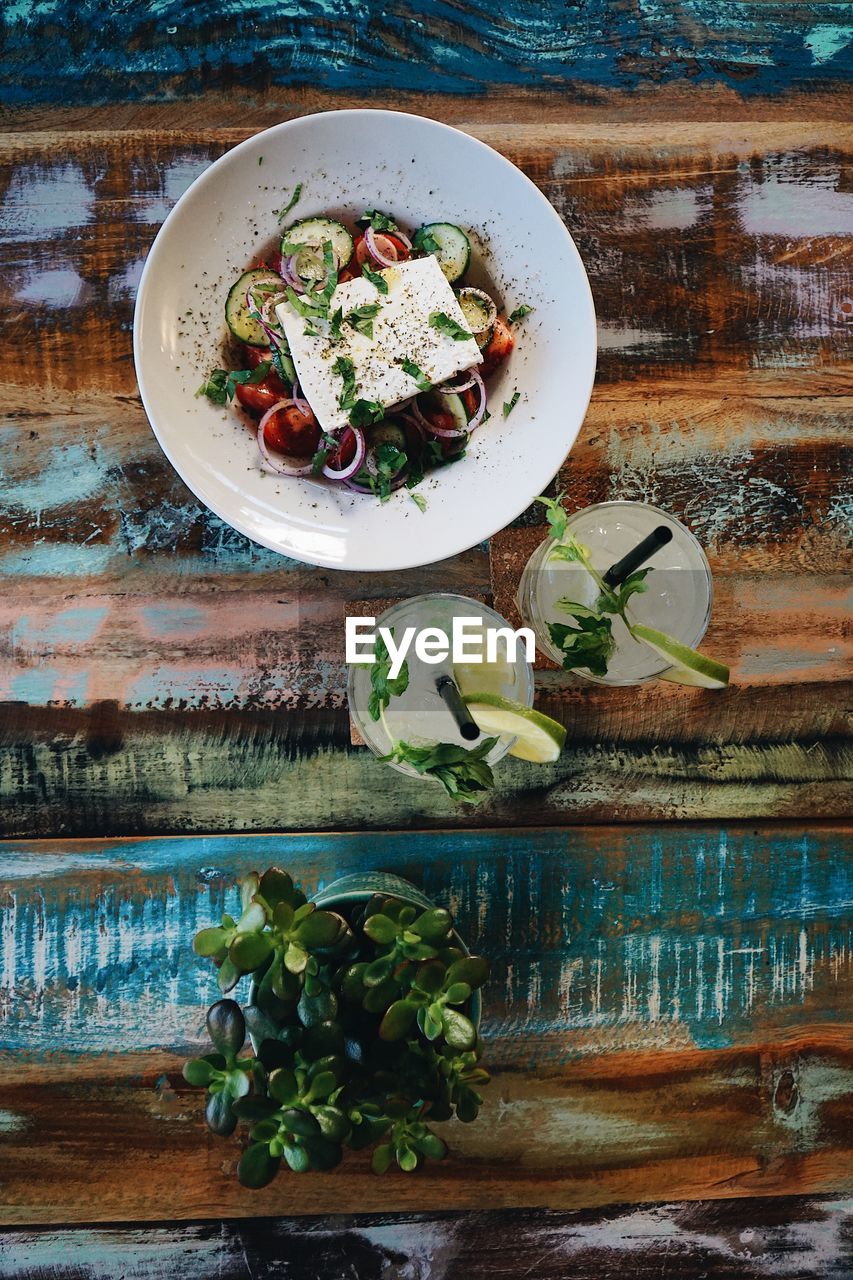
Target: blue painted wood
630, 938
153, 53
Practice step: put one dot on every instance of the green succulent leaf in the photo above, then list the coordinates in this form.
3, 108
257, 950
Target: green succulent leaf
299, 1121
352, 984
430, 1023
323, 1039
257, 1166
321, 929
207, 942
434, 925
264, 1130
312, 1009
397, 1020
431, 1145
297, 1157
407, 1159
249, 886
379, 998
457, 993
378, 971
282, 917
458, 1030
226, 1027
227, 975
321, 1086
198, 1071
430, 977
380, 930
282, 1084
471, 969
333, 1123
276, 887
325, 1155
248, 951
382, 1157
220, 1115
253, 919
296, 958
255, 1108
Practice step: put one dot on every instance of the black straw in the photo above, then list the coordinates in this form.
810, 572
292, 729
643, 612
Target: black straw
453, 701
643, 551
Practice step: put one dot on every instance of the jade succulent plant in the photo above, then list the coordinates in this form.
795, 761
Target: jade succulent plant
361, 1021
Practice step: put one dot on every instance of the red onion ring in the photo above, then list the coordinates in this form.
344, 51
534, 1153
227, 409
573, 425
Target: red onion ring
448, 433
358, 457
281, 468
299, 400
376, 253
448, 389
481, 408
399, 479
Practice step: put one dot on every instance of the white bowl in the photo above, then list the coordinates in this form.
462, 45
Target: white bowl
418, 171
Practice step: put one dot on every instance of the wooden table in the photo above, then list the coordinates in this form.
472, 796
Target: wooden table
668, 907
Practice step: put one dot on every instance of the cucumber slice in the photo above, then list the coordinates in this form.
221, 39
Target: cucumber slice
315, 231
237, 317
478, 316
450, 403
386, 432
454, 248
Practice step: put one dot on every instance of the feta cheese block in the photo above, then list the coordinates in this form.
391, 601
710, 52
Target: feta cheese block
401, 331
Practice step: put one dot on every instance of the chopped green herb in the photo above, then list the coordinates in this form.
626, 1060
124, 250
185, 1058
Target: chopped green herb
327, 445
446, 324
589, 644
519, 313
276, 354
414, 371
465, 775
389, 462
345, 369
364, 412
292, 202
335, 324
510, 404
426, 241
379, 221
304, 304
329, 273
222, 383
418, 499
310, 331
361, 318
375, 278
382, 687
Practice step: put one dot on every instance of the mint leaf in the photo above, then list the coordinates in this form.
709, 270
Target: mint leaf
519, 313
418, 499
465, 775
556, 515
510, 404
589, 644
364, 412
446, 324
375, 278
378, 220
382, 687
335, 324
345, 369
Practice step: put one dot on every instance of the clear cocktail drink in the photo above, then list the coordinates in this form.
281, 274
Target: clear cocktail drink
676, 600
419, 716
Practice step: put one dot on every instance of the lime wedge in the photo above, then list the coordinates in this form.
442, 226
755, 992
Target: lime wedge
484, 677
688, 665
538, 737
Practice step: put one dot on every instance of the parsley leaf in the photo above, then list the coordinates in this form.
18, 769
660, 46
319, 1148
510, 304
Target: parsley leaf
364, 412
345, 369
520, 313
408, 366
382, 687
556, 515
446, 324
426, 241
361, 318
375, 278
510, 404
589, 644
378, 220
465, 775
294, 200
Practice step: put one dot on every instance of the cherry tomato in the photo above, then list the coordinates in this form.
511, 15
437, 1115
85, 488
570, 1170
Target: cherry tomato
499, 346
292, 432
260, 397
344, 454
384, 243
258, 355
471, 399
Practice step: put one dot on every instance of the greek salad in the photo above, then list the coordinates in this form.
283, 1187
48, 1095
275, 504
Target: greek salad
363, 352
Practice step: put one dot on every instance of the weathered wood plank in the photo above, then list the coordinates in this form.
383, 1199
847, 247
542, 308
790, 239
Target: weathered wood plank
101, 772
721, 1240
668, 1014
135, 55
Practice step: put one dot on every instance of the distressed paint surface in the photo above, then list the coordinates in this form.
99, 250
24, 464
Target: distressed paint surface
727, 1240
164, 51
668, 1011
